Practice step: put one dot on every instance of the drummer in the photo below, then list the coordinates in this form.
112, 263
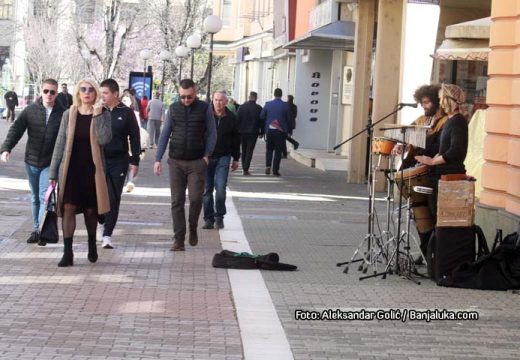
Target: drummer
434, 117
453, 141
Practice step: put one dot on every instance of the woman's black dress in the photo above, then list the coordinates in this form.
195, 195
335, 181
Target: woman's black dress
80, 187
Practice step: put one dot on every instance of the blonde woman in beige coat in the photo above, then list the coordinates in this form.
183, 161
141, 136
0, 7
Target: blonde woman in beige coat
78, 150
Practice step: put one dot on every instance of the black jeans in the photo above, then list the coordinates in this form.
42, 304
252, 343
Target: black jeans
248, 147
275, 141
115, 170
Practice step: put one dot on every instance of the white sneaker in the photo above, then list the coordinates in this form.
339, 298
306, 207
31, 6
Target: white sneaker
130, 186
107, 243
99, 232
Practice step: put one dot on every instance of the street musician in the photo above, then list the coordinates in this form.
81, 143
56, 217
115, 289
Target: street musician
434, 117
452, 142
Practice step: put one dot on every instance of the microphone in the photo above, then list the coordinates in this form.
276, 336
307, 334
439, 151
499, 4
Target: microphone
414, 105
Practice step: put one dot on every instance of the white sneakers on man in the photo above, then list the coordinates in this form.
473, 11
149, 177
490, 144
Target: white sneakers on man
107, 243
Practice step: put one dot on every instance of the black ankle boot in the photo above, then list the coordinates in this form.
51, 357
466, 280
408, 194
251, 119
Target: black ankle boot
68, 256
92, 250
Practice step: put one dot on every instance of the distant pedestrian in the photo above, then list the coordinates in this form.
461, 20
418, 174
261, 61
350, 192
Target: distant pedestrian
42, 121
190, 130
155, 118
276, 116
250, 127
144, 107
292, 123
79, 153
225, 154
121, 154
232, 105
11, 102
64, 97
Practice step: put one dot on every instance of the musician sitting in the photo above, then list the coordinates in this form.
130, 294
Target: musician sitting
453, 142
434, 117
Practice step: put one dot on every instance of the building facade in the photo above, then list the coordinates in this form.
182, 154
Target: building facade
246, 39
499, 206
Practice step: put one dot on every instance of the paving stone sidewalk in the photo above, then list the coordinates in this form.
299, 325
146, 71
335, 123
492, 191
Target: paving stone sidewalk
310, 221
141, 301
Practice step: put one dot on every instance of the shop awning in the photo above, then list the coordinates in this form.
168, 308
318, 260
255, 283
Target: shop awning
466, 41
337, 35
463, 49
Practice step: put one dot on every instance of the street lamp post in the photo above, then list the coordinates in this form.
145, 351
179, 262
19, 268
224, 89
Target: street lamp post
164, 55
145, 54
181, 51
193, 42
212, 25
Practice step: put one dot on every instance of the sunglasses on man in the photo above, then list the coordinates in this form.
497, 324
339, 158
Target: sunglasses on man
187, 97
48, 91
85, 89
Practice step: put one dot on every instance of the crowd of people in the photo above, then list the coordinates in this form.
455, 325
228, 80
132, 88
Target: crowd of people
91, 142
85, 146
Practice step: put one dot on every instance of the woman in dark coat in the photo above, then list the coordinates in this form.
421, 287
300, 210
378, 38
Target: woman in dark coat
453, 143
83, 189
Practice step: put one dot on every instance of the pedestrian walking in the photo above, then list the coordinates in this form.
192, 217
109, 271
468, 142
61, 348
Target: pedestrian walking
42, 121
276, 116
250, 128
83, 189
191, 125
11, 102
64, 97
292, 126
225, 155
155, 118
118, 160
144, 109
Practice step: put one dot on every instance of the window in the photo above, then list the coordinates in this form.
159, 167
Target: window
227, 12
6, 9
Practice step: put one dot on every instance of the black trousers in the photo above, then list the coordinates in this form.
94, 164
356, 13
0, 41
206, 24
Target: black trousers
274, 147
294, 143
115, 170
248, 147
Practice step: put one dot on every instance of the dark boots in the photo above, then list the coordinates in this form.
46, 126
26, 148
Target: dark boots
92, 249
68, 256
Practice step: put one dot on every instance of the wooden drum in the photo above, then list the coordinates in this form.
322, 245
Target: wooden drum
382, 146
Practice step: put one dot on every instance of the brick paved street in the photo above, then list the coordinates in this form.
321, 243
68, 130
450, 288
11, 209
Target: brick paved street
141, 301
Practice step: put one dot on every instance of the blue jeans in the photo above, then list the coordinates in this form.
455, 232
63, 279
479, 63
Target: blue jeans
38, 182
216, 179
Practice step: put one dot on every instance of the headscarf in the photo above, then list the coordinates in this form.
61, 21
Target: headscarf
453, 92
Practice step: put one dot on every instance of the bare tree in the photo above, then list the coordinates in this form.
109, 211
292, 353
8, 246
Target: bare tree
176, 21
106, 39
45, 50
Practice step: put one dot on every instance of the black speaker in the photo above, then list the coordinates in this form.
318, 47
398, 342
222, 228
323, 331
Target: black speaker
453, 246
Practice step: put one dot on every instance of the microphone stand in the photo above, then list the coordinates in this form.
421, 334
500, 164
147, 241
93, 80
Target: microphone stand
371, 196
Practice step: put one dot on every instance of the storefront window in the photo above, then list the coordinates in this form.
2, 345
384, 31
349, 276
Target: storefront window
471, 76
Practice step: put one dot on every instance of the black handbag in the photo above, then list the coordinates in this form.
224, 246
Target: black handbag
49, 227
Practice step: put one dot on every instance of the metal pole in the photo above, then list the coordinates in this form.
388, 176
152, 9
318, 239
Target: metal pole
208, 92
180, 71
192, 63
162, 82
144, 80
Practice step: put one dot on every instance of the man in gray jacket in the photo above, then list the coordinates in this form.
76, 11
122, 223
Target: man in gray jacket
155, 111
42, 121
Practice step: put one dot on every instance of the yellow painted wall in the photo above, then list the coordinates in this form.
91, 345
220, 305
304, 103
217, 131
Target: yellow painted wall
501, 171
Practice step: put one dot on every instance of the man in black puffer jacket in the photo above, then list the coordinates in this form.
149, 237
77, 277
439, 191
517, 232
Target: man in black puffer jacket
250, 127
42, 121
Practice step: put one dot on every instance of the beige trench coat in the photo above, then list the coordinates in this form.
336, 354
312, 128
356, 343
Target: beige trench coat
100, 134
